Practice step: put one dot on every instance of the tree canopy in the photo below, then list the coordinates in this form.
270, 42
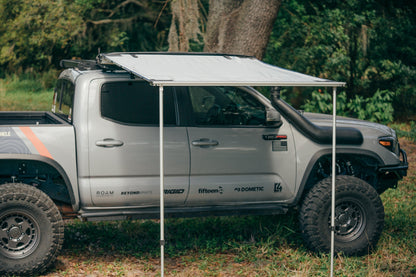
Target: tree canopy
35, 35
368, 43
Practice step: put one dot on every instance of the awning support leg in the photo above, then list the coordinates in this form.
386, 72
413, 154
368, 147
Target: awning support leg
334, 146
162, 181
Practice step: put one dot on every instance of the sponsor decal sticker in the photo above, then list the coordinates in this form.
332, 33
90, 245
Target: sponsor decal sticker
136, 192
174, 191
277, 187
218, 190
249, 189
104, 193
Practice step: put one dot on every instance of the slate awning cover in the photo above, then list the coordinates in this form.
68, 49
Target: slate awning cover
203, 69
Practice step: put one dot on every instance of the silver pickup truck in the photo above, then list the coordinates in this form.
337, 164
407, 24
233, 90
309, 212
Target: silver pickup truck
228, 151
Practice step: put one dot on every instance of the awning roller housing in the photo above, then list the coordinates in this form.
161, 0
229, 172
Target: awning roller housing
196, 69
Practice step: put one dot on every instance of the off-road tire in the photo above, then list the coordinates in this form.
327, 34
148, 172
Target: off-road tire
359, 216
31, 230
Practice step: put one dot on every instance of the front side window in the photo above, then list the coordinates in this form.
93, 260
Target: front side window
226, 106
135, 103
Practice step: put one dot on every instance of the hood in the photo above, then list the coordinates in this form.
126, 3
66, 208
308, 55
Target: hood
326, 120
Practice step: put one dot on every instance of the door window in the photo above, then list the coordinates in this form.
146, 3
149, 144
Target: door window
135, 103
226, 106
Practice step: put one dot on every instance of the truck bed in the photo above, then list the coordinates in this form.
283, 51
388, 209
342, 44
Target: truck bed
29, 118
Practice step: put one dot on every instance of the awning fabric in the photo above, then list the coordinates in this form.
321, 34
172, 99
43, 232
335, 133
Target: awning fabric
196, 69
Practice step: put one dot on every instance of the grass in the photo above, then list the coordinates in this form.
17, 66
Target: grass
224, 246
27, 94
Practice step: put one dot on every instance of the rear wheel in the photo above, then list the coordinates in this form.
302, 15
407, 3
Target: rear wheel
359, 216
31, 230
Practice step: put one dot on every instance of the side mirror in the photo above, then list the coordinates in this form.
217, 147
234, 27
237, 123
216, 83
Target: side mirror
273, 118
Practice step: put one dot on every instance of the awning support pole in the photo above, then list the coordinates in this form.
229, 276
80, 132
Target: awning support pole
334, 146
162, 177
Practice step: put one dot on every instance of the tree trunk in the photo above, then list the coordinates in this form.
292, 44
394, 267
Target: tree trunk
240, 26
185, 25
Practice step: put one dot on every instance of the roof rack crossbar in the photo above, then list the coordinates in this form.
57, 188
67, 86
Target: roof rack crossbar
87, 65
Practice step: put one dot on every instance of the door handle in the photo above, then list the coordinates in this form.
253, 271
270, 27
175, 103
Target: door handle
204, 142
109, 142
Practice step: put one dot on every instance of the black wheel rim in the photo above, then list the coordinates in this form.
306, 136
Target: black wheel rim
19, 234
350, 220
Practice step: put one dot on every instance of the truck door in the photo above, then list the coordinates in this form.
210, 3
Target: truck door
235, 157
124, 146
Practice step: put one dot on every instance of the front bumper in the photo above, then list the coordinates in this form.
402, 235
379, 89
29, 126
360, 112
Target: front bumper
399, 170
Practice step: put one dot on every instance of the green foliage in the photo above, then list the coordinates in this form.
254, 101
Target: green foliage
25, 101
31, 81
122, 26
32, 33
367, 43
182, 235
36, 35
30, 91
24, 83
402, 78
406, 130
377, 108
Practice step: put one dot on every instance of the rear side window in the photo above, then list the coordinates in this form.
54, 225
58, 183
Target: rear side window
136, 103
63, 99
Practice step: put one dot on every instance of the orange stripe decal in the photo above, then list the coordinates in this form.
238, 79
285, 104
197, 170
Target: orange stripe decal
36, 142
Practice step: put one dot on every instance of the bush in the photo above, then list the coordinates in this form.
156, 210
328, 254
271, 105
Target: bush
406, 130
377, 108
31, 81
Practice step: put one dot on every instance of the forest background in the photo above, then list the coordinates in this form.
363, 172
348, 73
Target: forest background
370, 44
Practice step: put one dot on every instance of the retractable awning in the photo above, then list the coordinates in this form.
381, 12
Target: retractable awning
203, 69
196, 69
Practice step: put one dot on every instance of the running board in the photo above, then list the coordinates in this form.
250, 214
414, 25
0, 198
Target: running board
154, 213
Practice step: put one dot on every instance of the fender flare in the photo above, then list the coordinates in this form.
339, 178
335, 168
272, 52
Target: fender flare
54, 164
325, 152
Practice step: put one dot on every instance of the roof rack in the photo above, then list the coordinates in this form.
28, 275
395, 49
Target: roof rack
87, 65
80, 64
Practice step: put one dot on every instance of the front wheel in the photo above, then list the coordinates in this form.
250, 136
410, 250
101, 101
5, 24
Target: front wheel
359, 216
31, 230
